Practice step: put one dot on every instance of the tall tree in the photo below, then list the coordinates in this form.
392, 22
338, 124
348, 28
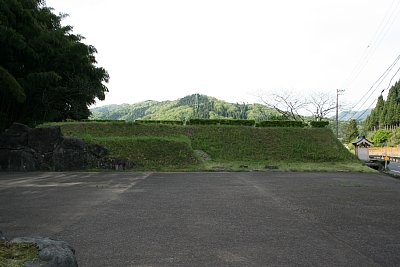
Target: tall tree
351, 131
292, 106
320, 104
386, 113
47, 63
287, 103
391, 106
372, 121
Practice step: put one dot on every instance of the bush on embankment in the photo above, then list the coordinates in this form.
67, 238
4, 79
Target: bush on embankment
235, 122
272, 123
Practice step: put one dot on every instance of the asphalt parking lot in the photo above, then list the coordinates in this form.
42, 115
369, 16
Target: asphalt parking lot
209, 219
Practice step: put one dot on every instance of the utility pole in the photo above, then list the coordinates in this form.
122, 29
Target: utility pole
338, 92
196, 106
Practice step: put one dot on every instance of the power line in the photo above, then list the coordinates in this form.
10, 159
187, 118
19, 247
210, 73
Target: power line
338, 92
378, 81
394, 14
380, 33
377, 87
390, 82
391, 79
362, 114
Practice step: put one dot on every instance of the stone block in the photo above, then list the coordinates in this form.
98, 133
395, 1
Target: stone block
15, 137
98, 150
69, 155
116, 163
44, 140
18, 160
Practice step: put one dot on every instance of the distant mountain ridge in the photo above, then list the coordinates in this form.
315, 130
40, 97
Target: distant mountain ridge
192, 106
357, 115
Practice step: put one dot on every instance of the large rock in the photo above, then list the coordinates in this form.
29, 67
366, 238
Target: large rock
44, 140
15, 137
18, 160
97, 150
26, 149
69, 155
52, 253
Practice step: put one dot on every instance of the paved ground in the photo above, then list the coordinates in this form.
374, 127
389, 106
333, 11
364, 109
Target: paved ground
394, 167
209, 219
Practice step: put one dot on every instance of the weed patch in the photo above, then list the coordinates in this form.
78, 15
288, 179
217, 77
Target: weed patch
15, 255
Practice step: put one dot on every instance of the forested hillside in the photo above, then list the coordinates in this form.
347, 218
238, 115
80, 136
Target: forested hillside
193, 106
386, 112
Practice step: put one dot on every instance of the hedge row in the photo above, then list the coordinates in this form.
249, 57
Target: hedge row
319, 124
269, 123
220, 122
89, 120
161, 122
280, 124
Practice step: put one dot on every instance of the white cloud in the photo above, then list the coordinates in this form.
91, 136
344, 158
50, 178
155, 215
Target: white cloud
161, 50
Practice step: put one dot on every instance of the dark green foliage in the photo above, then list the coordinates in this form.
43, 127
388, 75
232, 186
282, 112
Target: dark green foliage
373, 121
220, 122
10, 88
280, 124
319, 124
42, 61
11, 94
351, 131
386, 113
161, 122
391, 106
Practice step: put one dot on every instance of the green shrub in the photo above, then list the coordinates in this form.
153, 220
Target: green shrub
202, 122
171, 122
280, 124
319, 124
381, 136
89, 120
221, 122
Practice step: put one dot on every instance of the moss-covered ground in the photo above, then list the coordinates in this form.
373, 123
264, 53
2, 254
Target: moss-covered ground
16, 255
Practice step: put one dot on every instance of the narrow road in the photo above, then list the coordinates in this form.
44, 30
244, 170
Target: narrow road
209, 219
394, 167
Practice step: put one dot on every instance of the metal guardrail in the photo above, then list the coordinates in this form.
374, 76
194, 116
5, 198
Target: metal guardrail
391, 158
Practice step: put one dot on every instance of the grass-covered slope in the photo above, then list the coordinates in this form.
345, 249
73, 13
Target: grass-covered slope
157, 146
149, 152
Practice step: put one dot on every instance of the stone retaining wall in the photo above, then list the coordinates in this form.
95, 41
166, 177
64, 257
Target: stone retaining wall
32, 149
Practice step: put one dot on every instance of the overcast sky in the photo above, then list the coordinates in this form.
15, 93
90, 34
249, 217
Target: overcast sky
236, 49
